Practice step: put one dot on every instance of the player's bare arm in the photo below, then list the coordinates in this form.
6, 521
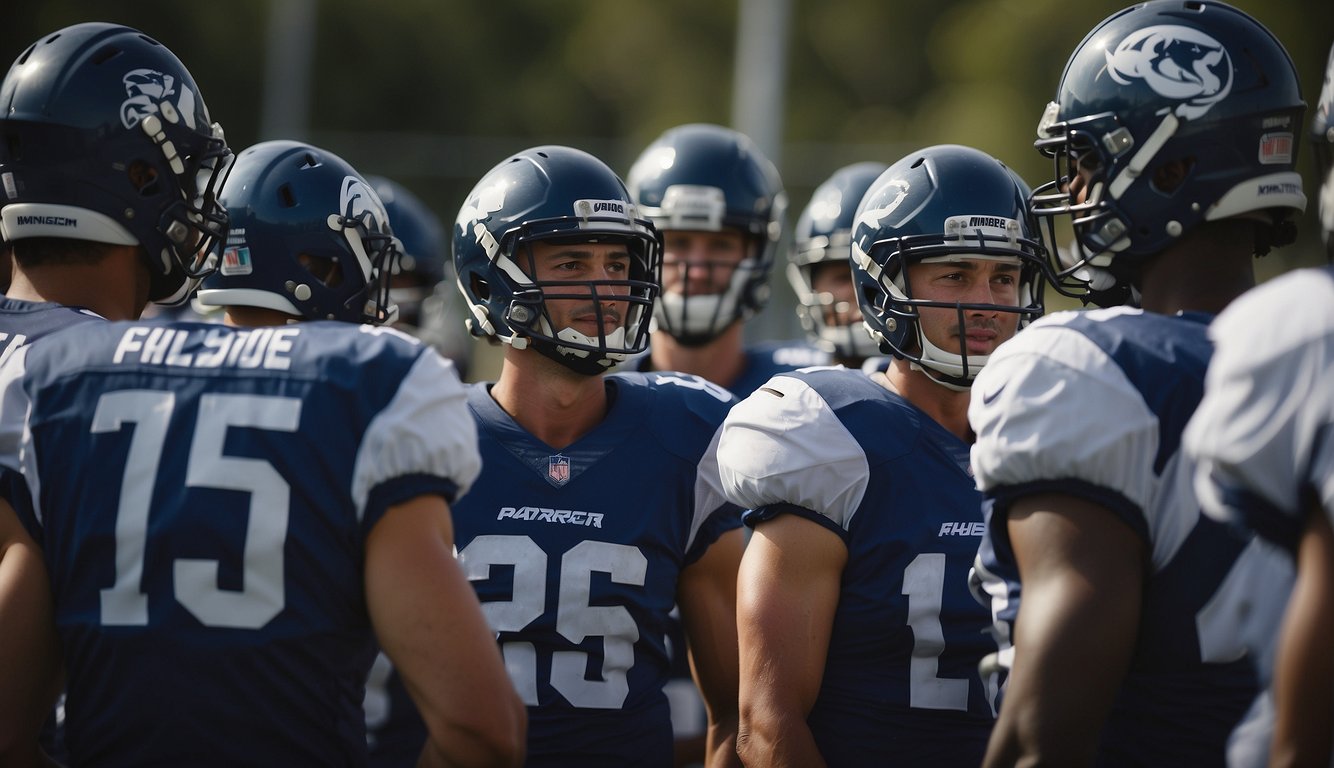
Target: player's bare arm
787, 593
427, 618
29, 650
1305, 668
1082, 570
707, 596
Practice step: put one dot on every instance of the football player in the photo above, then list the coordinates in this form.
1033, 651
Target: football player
820, 271
719, 204
858, 636
418, 275
1264, 439
1173, 133
110, 162
422, 287
255, 505
598, 508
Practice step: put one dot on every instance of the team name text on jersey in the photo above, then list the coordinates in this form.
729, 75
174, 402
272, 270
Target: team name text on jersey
962, 529
267, 348
549, 515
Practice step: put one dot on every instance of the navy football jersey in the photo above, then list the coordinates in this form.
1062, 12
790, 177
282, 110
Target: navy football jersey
202, 495
768, 359
23, 322
1093, 404
576, 554
837, 448
763, 360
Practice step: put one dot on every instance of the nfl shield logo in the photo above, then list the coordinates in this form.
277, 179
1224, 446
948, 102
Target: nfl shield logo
558, 469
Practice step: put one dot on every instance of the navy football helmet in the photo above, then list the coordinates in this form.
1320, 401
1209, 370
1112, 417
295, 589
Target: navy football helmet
424, 248
559, 194
1322, 135
1192, 86
309, 238
823, 236
944, 203
104, 137
706, 177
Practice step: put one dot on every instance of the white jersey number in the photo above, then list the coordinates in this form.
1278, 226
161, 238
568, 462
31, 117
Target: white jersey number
576, 619
924, 584
690, 381
195, 581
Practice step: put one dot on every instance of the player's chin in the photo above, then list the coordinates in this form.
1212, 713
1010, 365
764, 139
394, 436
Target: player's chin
592, 328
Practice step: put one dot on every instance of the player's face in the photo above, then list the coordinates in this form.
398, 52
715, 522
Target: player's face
1082, 165
700, 263
832, 282
586, 308
967, 281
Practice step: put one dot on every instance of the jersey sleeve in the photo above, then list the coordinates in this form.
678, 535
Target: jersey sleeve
17, 484
784, 445
1264, 433
422, 441
1053, 413
714, 514
13, 407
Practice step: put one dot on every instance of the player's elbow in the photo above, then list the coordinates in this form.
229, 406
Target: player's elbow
759, 733
491, 737
754, 745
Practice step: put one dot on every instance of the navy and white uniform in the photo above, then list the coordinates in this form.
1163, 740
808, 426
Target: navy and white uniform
1263, 439
1264, 434
203, 496
576, 555
901, 674
23, 322
1093, 404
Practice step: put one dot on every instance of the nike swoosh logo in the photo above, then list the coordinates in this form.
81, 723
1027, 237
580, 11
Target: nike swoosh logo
989, 398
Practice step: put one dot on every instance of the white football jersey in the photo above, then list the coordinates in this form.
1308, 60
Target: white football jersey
1263, 435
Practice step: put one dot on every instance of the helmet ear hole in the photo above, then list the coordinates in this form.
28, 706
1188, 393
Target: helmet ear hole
328, 271
480, 289
1169, 176
144, 178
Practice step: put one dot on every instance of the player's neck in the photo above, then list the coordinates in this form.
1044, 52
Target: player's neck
116, 287
1202, 273
553, 403
948, 407
721, 361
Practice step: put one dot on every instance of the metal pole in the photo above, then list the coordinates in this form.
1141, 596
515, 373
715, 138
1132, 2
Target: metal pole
287, 70
759, 83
